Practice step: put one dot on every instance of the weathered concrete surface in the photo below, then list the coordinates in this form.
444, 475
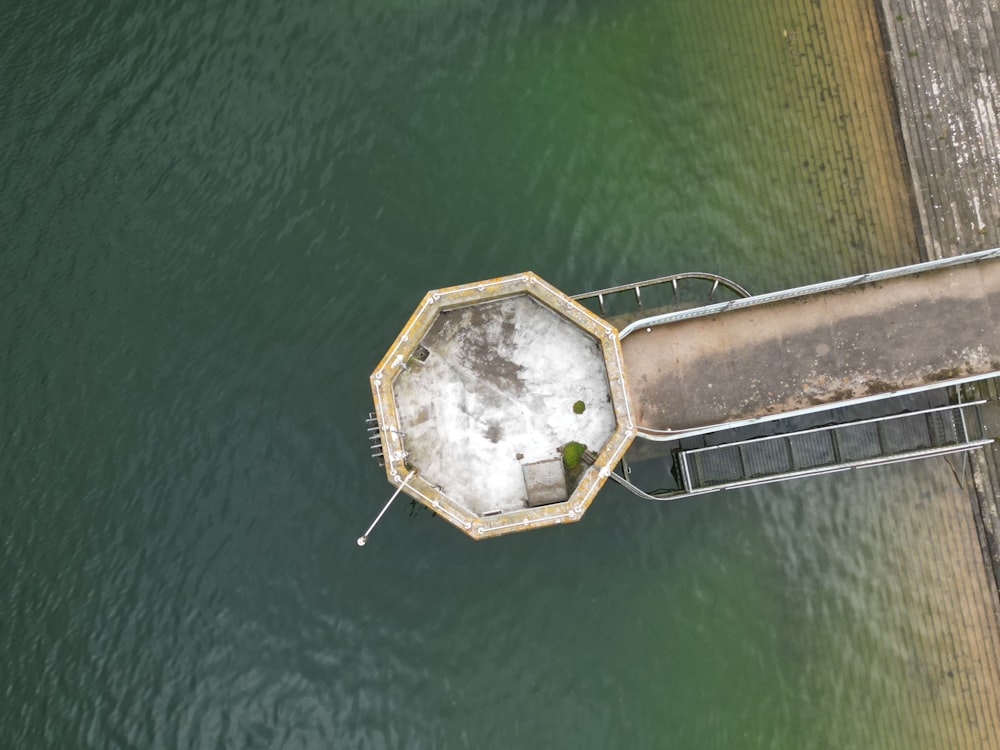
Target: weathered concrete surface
823, 348
944, 59
485, 377
495, 392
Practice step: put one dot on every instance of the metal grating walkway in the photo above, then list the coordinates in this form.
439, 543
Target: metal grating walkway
825, 449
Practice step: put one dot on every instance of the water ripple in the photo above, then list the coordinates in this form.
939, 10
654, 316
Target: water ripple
216, 218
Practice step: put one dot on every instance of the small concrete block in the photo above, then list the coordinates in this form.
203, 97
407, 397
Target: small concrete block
545, 481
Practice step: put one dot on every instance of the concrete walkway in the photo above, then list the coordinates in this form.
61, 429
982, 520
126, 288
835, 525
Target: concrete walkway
945, 66
779, 357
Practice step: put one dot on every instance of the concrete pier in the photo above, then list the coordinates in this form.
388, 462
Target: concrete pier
502, 405
779, 354
494, 394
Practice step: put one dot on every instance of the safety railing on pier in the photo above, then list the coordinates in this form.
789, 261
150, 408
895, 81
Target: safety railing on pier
826, 286
823, 450
673, 283
834, 448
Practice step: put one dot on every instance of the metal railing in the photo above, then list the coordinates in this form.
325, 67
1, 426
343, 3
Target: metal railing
880, 452
774, 457
673, 280
826, 286
375, 440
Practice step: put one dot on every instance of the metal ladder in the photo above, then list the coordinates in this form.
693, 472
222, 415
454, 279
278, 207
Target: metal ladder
375, 439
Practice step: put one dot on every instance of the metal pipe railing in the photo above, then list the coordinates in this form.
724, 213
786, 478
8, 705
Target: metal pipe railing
826, 286
672, 279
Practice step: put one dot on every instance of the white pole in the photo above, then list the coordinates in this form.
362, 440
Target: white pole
364, 537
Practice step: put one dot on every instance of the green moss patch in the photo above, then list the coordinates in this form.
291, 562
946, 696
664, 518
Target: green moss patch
571, 453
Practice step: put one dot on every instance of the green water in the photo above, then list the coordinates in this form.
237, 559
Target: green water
216, 217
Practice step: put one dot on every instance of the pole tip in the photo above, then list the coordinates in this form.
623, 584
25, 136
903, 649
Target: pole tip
362, 540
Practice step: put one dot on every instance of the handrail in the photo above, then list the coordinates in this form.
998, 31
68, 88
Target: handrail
895, 458
615, 476
802, 473
841, 425
826, 286
672, 279
704, 275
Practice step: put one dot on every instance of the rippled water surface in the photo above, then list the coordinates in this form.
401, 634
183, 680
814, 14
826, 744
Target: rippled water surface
216, 216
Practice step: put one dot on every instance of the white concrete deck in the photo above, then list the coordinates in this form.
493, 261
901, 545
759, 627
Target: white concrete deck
496, 391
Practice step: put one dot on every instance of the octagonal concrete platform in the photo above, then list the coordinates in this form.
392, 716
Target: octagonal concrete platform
475, 401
